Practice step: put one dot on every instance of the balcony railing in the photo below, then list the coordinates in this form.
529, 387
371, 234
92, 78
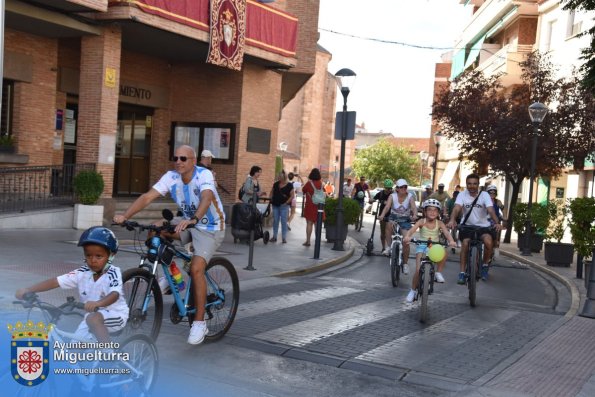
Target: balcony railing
506, 61
33, 188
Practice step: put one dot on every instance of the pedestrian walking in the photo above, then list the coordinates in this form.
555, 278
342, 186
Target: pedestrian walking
311, 209
252, 185
281, 196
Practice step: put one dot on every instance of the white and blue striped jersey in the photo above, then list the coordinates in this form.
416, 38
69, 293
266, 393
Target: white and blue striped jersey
187, 196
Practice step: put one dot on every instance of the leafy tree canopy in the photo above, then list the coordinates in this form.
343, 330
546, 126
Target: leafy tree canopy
384, 160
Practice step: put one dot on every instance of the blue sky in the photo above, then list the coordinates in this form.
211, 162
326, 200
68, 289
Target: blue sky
394, 86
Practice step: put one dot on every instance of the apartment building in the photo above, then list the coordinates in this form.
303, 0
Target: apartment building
120, 84
499, 35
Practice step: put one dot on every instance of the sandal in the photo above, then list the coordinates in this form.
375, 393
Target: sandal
306, 244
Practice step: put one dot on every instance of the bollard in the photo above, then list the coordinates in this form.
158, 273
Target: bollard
303, 205
252, 230
318, 231
579, 268
589, 307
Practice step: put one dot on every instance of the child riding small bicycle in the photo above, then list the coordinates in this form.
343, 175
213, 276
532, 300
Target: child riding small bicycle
430, 227
99, 284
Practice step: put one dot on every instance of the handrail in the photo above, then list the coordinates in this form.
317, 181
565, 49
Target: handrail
38, 187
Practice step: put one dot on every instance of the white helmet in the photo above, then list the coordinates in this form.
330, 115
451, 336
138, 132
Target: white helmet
492, 187
432, 203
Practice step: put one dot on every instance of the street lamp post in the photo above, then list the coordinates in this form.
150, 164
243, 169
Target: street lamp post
345, 79
423, 156
437, 139
537, 112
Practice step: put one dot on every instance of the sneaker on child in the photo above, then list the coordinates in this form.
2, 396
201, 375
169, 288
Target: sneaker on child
405, 268
386, 252
439, 278
411, 296
197, 332
484, 272
461, 279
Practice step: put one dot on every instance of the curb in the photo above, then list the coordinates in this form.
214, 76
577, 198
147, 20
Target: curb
321, 265
575, 296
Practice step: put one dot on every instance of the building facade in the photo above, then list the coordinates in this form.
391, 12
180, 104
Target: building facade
121, 84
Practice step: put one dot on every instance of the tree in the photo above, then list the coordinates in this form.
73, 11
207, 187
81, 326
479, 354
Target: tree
384, 160
491, 125
588, 68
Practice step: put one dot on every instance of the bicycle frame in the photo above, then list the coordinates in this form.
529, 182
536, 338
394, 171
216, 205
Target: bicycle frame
166, 251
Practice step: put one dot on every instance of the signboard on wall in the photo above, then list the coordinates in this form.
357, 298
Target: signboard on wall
259, 140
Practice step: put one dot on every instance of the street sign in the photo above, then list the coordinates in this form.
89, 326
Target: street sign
350, 132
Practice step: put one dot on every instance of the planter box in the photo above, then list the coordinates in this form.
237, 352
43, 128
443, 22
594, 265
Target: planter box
333, 234
558, 254
536, 242
86, 216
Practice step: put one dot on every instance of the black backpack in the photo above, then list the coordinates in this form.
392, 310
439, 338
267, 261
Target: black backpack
241, 192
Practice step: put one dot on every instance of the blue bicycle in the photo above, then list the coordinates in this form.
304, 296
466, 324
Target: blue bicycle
143, 293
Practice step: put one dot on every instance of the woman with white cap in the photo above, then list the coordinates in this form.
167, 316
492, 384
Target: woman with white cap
403, 210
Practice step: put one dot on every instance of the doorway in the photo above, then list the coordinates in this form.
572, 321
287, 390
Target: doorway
133, 146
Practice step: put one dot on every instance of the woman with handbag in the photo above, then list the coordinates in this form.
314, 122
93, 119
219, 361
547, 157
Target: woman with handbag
311, 209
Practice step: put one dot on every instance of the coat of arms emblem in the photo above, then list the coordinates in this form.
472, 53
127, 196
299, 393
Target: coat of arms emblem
29, 353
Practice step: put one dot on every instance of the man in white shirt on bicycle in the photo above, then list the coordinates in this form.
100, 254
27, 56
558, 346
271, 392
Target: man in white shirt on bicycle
474, 215
193, 188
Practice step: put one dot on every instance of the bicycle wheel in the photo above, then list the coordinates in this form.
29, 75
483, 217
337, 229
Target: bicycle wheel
424, 290
222, 280
146, 322
143, 359
472, 273
358, 226
395, 268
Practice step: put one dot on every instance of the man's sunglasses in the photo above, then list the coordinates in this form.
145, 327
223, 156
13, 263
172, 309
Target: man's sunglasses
182, 158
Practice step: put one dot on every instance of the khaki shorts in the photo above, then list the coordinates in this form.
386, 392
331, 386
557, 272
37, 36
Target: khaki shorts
205, 243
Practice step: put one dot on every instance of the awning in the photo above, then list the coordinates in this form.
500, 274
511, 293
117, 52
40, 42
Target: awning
458, 63
474, 53
449, 172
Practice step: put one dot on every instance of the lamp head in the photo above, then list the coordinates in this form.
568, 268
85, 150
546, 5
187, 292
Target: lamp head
345, 79
537, 112
423, 155
438, 138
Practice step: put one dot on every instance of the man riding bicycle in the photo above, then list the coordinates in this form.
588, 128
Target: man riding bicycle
477, 208
402, 210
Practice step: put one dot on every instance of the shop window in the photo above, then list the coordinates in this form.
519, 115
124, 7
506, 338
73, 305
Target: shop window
7, 101
218, 138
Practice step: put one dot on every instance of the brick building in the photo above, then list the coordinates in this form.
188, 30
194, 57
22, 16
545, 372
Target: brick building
120, 84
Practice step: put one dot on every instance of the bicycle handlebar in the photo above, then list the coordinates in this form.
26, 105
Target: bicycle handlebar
168, 227
429, 242
31, 300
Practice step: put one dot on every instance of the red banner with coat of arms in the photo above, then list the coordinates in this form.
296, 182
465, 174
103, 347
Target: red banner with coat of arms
228, 33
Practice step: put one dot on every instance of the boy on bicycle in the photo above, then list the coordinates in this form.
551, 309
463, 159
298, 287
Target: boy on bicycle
99, 284
429, 229
476, 207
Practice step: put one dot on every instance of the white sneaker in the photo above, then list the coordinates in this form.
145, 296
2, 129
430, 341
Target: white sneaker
197, 332
496, 253
405, 268
411, 296
164, 286
386, 252
458, 244
439, 278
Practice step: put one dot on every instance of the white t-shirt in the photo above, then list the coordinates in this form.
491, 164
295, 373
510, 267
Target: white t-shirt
479, 215
91, 290
297, 187
401, 209
347, 189
188, 196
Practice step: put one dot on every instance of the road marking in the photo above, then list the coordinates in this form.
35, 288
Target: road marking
307, 331
254, 308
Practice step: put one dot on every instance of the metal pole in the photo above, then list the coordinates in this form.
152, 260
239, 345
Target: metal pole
2, 10
527, 244
252, 229
338, 244
434, 167
318, 231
